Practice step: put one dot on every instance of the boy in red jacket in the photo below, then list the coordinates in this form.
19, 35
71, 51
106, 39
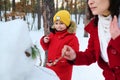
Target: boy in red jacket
64, 34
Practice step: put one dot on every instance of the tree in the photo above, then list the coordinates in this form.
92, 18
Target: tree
1, 6
13, 8
56, 9
86, 20
48, 13
39, 14
5, 3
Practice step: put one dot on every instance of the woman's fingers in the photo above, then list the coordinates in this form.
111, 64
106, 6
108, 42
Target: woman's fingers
114, 28
68, 53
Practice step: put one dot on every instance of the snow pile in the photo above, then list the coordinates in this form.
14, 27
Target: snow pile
15, 65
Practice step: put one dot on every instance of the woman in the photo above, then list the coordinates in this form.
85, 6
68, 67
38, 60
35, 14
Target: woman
104, 41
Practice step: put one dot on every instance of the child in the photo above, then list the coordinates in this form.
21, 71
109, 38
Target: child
64, 34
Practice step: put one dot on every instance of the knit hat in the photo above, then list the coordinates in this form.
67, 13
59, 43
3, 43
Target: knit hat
64, 16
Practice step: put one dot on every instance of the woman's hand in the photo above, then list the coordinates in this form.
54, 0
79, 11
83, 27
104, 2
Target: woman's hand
114, 28
46, 39
68, 53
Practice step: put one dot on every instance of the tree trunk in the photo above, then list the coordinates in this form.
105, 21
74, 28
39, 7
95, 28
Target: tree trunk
0, 11
86, 20
62, 4
5, 3
56, 6
48, 13
75, 11
13, 8
39, 14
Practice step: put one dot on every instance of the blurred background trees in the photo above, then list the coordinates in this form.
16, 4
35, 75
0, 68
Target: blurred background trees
37, 9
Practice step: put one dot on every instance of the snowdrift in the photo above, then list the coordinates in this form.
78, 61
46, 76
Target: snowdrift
14, 64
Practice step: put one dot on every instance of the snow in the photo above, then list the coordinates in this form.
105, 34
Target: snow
15, 39
15, 65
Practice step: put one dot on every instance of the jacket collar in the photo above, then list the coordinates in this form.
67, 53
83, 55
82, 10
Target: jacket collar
62, 34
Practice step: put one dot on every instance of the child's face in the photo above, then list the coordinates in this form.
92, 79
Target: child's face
59, 26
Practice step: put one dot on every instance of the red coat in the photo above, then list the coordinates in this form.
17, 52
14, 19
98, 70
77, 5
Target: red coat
111, 70
63, 68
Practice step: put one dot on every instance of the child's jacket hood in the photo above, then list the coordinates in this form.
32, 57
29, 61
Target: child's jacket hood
72, 27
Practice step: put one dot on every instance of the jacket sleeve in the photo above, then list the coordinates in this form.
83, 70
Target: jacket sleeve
44, 45
88, 56
74, 43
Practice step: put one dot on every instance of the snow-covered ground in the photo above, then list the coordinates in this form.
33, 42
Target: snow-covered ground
92, 72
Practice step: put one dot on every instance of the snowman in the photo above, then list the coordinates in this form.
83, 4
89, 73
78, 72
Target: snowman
15, 63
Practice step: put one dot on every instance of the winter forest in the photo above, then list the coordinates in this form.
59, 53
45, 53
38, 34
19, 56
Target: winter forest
22, 23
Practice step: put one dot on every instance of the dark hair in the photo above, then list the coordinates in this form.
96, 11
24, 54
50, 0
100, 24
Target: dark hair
114, 9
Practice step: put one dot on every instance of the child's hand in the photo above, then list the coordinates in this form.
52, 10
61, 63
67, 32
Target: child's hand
114, 28
46, 39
